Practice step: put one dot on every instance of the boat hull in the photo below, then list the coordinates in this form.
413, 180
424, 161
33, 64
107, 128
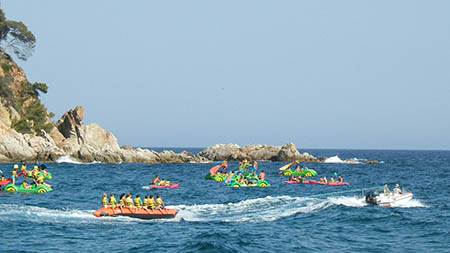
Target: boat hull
138, 213
164, 186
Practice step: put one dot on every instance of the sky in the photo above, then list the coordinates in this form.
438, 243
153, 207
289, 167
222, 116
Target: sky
321, 74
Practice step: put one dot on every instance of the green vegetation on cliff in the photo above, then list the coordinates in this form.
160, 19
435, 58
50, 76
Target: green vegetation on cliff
20, 97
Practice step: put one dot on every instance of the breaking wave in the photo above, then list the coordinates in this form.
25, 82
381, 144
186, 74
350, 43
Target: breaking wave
337, 159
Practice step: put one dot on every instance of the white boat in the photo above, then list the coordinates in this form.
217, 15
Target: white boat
388, 198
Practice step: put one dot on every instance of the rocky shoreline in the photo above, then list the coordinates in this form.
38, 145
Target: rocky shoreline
91, 143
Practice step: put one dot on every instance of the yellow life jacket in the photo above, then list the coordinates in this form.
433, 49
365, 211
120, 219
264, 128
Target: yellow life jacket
137, 202
121, 202
128, 201
145, 202
151, 203
158, 202
113, 201
104, 201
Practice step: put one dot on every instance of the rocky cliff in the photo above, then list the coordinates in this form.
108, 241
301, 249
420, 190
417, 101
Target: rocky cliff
89, 143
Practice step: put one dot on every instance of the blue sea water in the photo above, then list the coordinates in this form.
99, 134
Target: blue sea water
216, 218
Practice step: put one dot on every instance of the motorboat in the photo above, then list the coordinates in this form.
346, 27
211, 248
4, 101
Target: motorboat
388, 198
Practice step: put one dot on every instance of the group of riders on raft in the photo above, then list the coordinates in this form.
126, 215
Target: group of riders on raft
245, 175
37, 174
127, 200
160, 182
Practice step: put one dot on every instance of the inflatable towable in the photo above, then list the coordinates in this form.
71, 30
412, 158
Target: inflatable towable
139, 213
33, 189
213, 175
303, 172
259, 183
164, 186
316, 182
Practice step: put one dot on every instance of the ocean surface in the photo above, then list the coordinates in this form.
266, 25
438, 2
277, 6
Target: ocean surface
215, 218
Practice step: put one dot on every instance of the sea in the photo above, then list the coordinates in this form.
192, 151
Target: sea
213, 217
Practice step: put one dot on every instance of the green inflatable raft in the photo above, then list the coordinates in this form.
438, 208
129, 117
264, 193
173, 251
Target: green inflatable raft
303, 173
259, 183
48, 176
34, 189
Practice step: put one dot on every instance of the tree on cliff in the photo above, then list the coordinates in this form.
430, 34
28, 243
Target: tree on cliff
15, 36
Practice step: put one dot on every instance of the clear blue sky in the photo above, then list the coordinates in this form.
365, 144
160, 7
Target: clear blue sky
322, 74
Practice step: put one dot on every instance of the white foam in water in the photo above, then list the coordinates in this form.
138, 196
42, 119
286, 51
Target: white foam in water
410, 203
348, 201
69, 159
337, 159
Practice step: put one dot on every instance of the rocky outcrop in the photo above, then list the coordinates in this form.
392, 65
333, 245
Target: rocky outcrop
287, 152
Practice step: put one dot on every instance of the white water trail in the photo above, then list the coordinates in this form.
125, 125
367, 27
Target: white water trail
252, 210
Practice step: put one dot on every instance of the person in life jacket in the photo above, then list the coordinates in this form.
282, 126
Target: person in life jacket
145, 202
159, 202
137, 201
121, 201
340, 179
128, 200
112, 200
105, 200
151, 202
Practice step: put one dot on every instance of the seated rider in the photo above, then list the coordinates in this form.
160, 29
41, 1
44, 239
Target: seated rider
159, 202
325, 180
145, 202
332, 180
2, 178
155, 180
112, 200
26, 185
397, 189
122, 200
151, 202
386, 189
137, 201
105, 200
168, 182
340, 179
262, 175
128, 200
292, 178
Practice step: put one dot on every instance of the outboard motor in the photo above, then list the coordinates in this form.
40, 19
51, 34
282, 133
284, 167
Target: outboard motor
371, 198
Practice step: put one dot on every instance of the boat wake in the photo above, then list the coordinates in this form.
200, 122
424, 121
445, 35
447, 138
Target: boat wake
252, 210
262, 209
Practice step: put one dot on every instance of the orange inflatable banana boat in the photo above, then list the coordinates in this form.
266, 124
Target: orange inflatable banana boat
139, 213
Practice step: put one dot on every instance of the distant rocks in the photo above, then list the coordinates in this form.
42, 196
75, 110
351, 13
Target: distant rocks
287, 152
89, 143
